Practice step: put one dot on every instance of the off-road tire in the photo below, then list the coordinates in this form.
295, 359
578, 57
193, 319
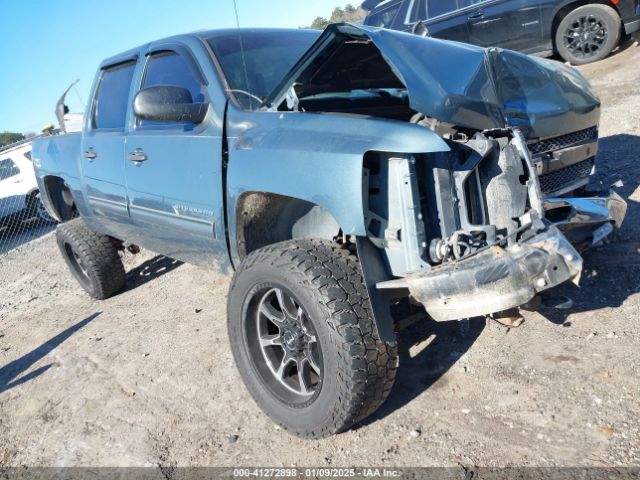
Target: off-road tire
92, 258
605, 14
358, 368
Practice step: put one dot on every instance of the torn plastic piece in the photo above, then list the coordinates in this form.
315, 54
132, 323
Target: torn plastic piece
496, 279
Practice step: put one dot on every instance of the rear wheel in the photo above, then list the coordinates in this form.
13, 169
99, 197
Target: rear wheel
588, 34
303, 337
92, 258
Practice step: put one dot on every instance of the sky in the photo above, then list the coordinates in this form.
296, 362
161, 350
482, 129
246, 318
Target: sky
49, 44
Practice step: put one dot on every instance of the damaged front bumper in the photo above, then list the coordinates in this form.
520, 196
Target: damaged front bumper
497, 278
586, 221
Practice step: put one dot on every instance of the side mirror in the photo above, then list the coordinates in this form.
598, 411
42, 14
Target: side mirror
168, 103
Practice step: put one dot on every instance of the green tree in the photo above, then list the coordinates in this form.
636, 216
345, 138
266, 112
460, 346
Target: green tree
320, 23
10, 137
346, 14
337, 15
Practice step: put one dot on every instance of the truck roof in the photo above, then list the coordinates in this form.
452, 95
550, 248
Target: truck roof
201, 35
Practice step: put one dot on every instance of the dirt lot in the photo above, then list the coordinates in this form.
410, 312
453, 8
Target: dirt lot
147, 377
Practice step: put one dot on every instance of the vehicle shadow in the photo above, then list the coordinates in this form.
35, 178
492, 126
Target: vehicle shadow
608, 280
10, 372
427, 350
626, 43
150, 270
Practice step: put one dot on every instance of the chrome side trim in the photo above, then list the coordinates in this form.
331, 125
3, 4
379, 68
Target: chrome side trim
106, 201
153, 211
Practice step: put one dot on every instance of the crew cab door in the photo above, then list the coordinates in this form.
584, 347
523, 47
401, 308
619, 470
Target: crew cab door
513, 24
102, 161
174, 169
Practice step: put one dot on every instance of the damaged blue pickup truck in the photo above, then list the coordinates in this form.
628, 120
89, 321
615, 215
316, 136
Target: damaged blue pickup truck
339, 174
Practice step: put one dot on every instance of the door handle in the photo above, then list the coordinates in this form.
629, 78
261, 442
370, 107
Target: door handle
137, 156
90, 154
476, 15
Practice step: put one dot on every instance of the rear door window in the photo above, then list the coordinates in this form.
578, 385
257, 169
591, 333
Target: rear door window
436, 8
112, 98
8, 169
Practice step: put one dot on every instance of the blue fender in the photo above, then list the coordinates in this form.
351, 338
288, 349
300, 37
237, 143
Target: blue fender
315, 157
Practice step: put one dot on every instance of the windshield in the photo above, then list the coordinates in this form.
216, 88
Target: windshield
268, 55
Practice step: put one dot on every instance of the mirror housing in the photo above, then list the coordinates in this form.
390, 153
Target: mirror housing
420, 29
168, 103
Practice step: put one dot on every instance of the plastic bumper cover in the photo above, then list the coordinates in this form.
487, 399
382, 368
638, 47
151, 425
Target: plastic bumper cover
496, 279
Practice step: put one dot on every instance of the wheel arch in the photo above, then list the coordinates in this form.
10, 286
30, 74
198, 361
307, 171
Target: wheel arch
58, 199
265, 218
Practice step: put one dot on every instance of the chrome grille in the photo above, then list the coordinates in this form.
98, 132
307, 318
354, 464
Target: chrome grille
563, 141
554, 181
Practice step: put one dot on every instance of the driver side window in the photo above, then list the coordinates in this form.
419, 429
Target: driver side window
170, 68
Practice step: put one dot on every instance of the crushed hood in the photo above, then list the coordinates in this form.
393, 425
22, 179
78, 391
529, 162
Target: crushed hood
456, 83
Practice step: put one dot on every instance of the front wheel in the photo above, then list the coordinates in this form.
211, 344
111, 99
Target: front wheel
304, 339
588, 34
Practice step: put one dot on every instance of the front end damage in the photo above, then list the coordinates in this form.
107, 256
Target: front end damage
497, 278
465, 231
487, 224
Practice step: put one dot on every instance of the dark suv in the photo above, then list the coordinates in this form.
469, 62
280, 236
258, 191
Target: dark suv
580, 31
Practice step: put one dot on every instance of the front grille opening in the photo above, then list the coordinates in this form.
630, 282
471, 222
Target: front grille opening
555, 181
556, 143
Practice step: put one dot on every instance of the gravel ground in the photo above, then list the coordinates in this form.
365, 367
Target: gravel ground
147, 377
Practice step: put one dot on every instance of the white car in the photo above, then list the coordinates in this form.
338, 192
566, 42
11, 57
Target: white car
18, 188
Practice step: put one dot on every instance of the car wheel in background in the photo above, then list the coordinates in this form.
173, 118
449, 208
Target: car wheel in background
92, 258
588, 34
304, 339
35, 208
